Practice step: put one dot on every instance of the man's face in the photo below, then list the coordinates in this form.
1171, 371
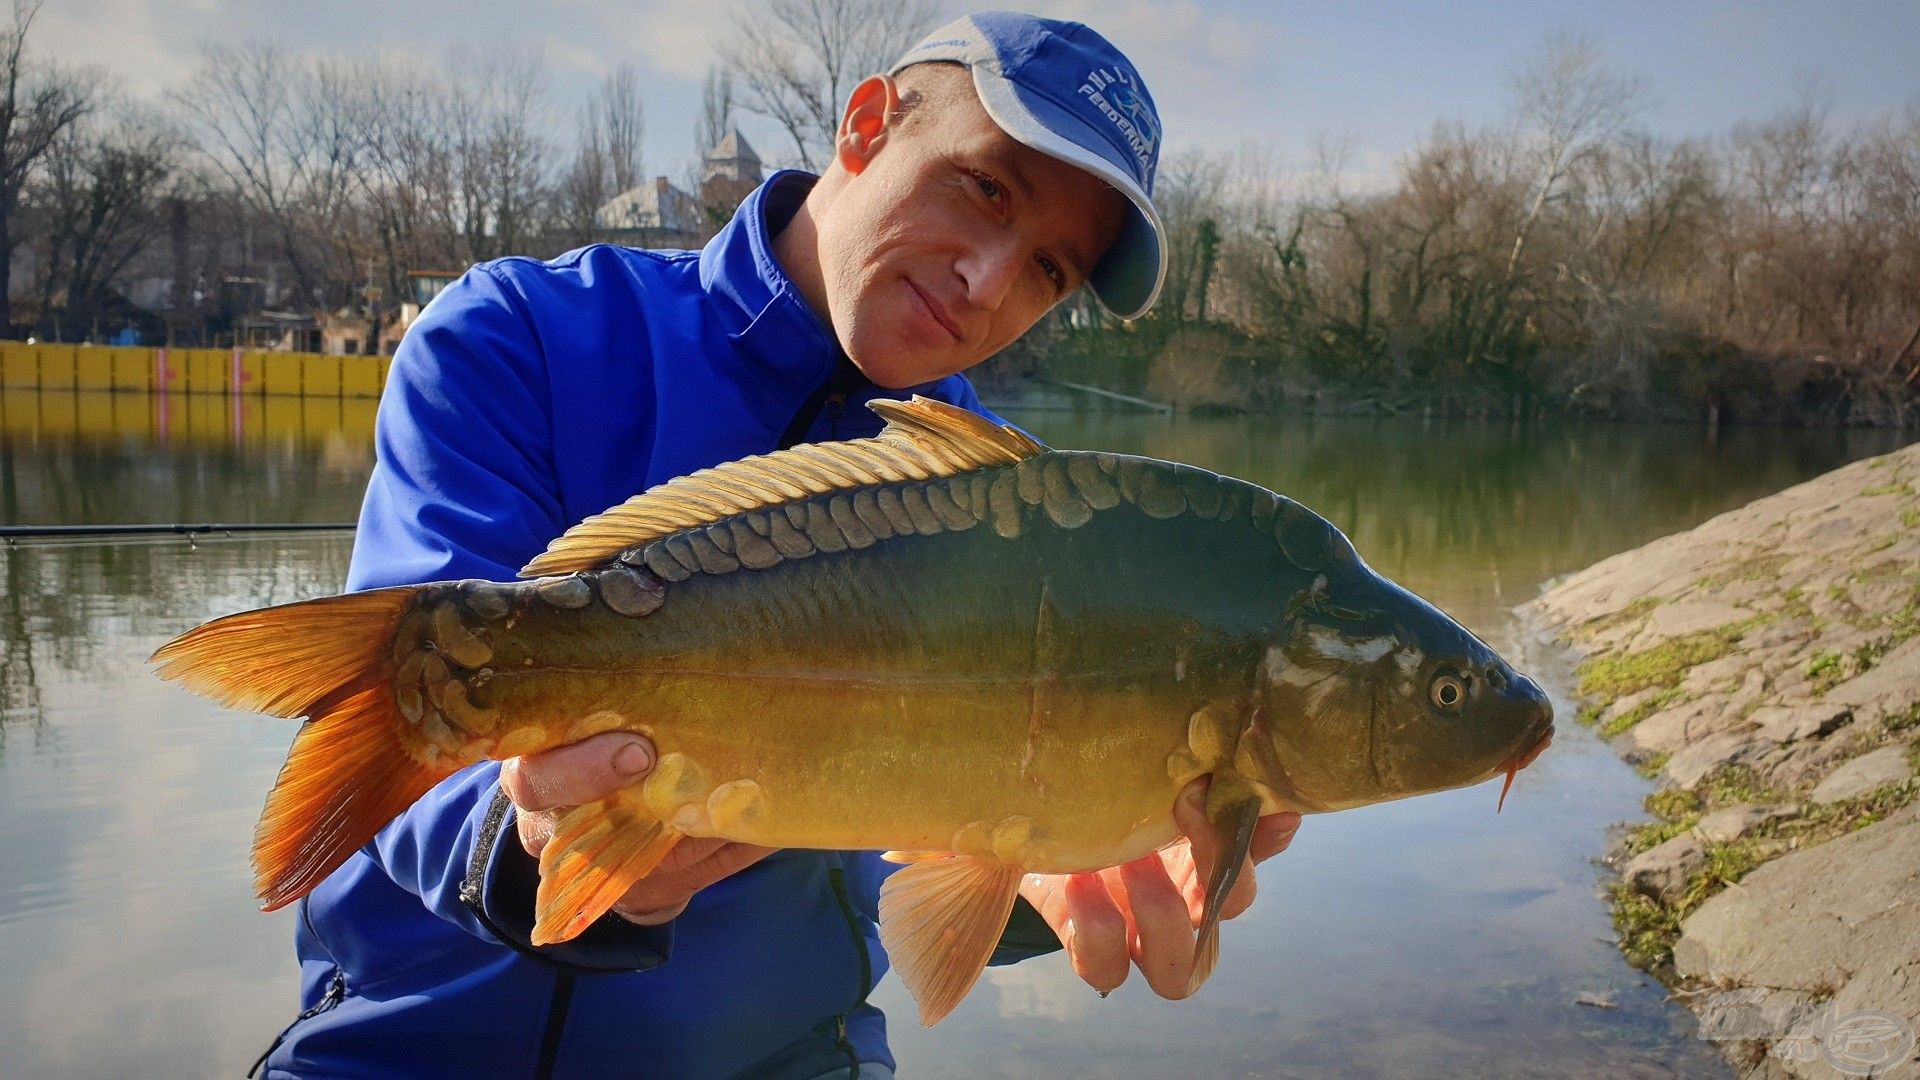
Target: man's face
952, 239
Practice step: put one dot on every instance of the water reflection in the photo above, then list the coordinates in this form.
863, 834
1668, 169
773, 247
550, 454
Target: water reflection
1428, 937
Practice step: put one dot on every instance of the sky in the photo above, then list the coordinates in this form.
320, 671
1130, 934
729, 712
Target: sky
1227, 74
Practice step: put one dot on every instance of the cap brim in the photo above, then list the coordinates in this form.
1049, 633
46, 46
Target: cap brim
1128, 278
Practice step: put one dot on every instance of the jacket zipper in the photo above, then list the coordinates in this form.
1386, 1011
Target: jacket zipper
837, 877
336, 993
557, 1008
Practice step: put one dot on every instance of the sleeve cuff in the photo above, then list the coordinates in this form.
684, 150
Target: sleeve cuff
1027, 935
499, 889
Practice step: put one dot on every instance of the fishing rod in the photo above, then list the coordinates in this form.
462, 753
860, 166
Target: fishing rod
13, 535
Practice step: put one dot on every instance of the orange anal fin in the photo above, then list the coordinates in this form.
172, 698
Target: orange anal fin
940, 919
1233, 819
598, 851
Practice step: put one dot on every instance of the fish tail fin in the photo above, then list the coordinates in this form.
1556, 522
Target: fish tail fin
348, 773
596, 854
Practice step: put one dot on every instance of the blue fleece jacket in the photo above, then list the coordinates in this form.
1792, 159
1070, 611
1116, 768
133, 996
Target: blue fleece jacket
528, 396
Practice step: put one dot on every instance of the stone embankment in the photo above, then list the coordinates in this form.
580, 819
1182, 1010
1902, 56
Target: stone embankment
1765, 669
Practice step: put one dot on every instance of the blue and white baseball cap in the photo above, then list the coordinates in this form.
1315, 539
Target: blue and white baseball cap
1065, 91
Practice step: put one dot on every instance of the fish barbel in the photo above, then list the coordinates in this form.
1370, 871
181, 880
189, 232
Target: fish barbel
947, 642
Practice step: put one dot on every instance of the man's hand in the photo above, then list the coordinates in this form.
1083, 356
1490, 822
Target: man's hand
1145, 911
544, 785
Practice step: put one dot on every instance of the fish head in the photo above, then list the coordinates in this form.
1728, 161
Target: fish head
1371, 693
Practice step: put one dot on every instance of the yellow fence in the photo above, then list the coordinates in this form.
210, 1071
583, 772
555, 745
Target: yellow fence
65, 368
345, 423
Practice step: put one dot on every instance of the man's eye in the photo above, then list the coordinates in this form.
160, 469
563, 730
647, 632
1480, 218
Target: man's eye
988, 185
1054, 273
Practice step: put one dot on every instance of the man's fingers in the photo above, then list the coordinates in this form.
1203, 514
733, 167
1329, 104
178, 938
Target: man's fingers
1273, 833
535, 830
577, 773
1163, 930
1093, 931
663, 894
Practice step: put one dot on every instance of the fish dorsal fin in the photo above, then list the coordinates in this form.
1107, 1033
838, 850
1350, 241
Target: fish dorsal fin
923, 439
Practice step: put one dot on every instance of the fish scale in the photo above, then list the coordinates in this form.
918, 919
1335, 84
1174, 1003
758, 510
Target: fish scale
946, 641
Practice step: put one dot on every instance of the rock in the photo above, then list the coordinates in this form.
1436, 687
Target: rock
1751, 1013
1687, 617
1812, 919
1710, 675
1598, 1001
1889, 684
1665, 732
1730, 824
1661, 872
1887, 765
1624, 705
1799, 764
1673, 728
1695, 762
1747, 694
1792, 723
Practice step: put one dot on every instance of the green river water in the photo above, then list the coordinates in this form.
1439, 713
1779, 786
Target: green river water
1429, 938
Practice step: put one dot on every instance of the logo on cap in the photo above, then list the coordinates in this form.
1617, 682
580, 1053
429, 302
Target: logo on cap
1116, 93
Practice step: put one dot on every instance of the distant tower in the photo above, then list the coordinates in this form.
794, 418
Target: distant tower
729, 174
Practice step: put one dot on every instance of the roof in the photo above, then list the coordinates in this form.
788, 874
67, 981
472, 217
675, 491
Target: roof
733, 148
655, 204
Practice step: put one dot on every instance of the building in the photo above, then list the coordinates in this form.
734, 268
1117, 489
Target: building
420, 289
729, 173
654, 215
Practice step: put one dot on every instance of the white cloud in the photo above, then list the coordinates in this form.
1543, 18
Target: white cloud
129, 39
674, 38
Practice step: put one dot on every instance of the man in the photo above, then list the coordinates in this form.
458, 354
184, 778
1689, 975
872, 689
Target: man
982, 181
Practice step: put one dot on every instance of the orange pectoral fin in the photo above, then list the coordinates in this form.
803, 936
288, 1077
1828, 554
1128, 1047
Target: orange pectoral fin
597, 853
940, 919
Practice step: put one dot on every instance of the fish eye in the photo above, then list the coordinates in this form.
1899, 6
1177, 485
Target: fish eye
1448, 691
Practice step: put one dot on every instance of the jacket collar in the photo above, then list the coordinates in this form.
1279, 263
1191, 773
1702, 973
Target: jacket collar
790, 349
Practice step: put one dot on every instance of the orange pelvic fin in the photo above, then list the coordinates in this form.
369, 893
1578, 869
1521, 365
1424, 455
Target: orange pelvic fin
348, 773
596, 854
1233, 817
940, 919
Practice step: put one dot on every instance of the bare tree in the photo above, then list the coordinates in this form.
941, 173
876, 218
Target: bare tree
716, 110
797, 60
38, 101
244, 104
499, 152
606, 158
1188, 195
98, 194
1569, 105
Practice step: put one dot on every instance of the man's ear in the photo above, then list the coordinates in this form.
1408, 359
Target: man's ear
865, 123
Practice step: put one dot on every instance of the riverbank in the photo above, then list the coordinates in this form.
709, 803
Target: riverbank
1764, 667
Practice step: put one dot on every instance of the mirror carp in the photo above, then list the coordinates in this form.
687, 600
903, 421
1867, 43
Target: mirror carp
947, 641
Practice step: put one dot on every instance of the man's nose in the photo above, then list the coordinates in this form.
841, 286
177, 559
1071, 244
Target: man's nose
990, 269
